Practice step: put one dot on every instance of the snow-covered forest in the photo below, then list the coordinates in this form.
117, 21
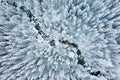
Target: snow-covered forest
59, 39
